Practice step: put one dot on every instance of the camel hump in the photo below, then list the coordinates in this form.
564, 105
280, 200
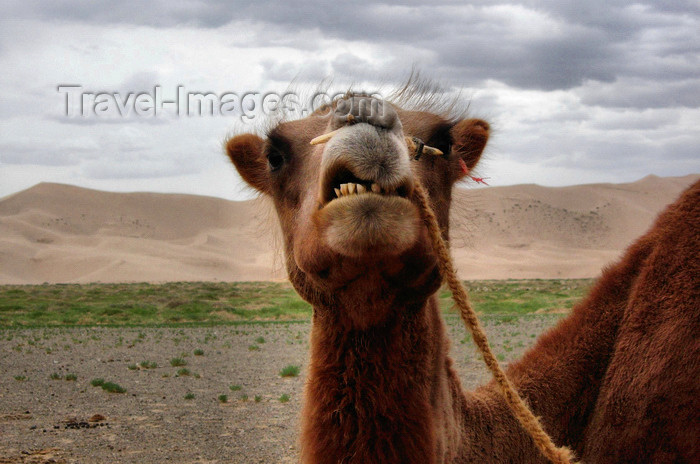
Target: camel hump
651, 388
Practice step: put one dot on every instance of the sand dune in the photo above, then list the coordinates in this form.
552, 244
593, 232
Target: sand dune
61, 233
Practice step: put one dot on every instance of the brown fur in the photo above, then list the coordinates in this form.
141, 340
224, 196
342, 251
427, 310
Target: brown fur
616, 381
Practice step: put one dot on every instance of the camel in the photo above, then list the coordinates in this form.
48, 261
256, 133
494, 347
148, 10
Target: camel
617, 381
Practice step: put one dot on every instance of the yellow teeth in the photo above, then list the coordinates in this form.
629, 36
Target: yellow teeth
356, 189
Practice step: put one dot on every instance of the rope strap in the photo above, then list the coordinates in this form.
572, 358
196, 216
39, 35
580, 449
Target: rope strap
522, 412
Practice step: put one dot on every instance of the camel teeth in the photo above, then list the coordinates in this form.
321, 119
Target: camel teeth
352, 188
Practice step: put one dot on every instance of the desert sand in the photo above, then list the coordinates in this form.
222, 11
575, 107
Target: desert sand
60, 233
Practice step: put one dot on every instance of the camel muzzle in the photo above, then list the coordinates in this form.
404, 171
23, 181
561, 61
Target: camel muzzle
366, 182
367, 151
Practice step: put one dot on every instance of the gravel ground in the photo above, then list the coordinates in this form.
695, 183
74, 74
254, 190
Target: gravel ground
47, 418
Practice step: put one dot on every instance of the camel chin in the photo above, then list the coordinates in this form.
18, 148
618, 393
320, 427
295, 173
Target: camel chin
369, 225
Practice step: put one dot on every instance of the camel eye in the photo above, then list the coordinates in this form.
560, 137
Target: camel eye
275, 160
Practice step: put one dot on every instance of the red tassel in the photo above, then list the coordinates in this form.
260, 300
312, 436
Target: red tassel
463, 165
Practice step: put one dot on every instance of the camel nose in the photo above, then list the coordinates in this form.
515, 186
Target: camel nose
370, 110
368, 148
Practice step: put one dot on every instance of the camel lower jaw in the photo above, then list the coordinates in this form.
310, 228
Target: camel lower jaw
369, 225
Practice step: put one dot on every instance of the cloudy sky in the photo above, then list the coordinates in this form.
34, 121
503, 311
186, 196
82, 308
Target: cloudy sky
577, 91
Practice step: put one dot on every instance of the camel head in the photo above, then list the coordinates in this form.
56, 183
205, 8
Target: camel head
353, 238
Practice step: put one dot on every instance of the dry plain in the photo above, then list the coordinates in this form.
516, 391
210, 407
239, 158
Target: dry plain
45, 418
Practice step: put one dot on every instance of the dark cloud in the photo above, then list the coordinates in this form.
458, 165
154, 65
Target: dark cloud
641, 94
141, 81
614, 149
534, 44
538, 64
543, 45
678, 6
289, 71
156, 13
631, 120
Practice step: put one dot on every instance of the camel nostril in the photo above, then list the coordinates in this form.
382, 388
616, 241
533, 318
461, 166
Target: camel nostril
366, 109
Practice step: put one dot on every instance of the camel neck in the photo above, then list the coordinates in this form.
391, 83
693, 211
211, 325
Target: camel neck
389, 393
560, 377
378, 394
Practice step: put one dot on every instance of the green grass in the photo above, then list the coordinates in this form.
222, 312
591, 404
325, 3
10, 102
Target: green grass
174, 303
290, 371
189, 396
203, 303
112, 387
284, 398
518, 297
177, 362
223, 399
97, 382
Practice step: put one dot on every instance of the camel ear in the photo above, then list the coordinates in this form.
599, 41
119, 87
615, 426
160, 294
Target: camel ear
469, 138
247, 153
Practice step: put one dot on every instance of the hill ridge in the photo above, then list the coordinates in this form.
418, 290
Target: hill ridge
64, 233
